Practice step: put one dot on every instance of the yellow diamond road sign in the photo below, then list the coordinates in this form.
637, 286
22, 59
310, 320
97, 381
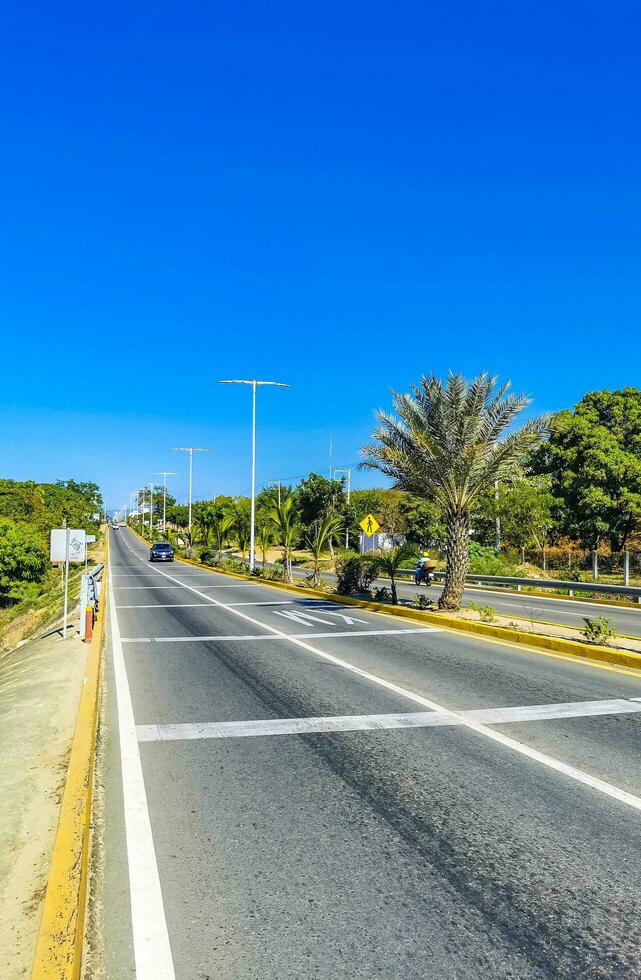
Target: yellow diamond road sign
370, 525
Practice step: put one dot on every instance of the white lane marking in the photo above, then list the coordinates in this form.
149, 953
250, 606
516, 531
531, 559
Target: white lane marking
170, 605
265, 602
367, 723
549, 762
195, 639
152, 951
181, 585
263, 636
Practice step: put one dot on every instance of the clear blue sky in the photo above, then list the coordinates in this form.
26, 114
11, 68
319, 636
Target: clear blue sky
340, 196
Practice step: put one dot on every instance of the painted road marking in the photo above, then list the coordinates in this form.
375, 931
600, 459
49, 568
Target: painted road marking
181, 585
152, 951
305, 619
266, 636
170, 605
549, 762
369, 723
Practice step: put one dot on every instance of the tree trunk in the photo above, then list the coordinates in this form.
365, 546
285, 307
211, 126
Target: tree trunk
394, 594
457, 556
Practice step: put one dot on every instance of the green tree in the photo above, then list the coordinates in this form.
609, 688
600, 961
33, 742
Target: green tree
284, 520
23, 556
447, 443
593, 456
527, 511
316, 497
324, 530
265, 538
390, 561
424, 524
242, 523
221, 528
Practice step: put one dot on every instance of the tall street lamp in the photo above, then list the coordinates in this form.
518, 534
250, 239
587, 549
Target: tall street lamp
254, 384
191, 450
164, 474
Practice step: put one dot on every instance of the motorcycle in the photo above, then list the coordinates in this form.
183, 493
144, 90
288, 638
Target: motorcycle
424, 576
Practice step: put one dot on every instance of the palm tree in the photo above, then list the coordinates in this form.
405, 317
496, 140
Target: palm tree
323, 532
265, 537
220, 529
447, 444
242, 538
390, 561
284, 519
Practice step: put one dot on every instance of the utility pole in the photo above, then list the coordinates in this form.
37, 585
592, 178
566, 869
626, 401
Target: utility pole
349, 479
253, 383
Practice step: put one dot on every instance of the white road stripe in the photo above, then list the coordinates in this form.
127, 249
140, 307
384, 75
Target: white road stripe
262, 636
579, 775
152, 951
181, 585
169, 605
368, 723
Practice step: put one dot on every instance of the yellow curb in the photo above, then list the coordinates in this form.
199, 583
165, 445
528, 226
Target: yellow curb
59, 946
572, 648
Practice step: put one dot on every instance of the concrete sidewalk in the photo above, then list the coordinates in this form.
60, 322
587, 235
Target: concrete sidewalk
40, 685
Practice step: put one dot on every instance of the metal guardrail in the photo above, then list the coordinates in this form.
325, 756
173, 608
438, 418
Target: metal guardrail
90, 590
544, 583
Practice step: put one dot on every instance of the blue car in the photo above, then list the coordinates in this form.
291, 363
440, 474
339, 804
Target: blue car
161, 551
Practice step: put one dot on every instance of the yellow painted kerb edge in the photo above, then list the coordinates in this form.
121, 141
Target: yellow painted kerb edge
59, 946
537, 642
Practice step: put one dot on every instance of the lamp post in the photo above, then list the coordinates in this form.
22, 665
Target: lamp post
191, 450
164, 474
349, 479
151, 512
254, 383
139, 491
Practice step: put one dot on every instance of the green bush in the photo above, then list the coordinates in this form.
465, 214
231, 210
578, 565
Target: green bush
23, 556
355, 573
381, 595
487, 614
421, 601
599, 629
485, 561
208, 556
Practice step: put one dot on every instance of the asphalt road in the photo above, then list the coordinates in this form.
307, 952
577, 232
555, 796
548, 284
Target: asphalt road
565, 612
290, 788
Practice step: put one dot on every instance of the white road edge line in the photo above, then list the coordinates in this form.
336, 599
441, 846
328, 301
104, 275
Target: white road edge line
152, 951
600, 785
377, 723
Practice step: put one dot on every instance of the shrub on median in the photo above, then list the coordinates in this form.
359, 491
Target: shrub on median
355, 573
599, 630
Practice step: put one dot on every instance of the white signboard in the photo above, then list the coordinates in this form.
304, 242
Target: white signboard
77, 544
90, 538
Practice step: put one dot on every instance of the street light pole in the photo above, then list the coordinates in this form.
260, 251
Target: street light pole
164, 474
151, 512
191, 450
254, 383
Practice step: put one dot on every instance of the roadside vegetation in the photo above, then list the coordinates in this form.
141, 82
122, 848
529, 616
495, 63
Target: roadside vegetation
30, 587
557, 498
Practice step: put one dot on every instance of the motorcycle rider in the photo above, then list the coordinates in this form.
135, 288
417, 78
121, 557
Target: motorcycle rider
420, 571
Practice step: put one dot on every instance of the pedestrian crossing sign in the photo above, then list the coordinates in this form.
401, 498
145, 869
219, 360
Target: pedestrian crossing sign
369, 524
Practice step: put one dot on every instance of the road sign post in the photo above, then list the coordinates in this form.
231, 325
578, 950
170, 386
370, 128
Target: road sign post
67, 545
369, 525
